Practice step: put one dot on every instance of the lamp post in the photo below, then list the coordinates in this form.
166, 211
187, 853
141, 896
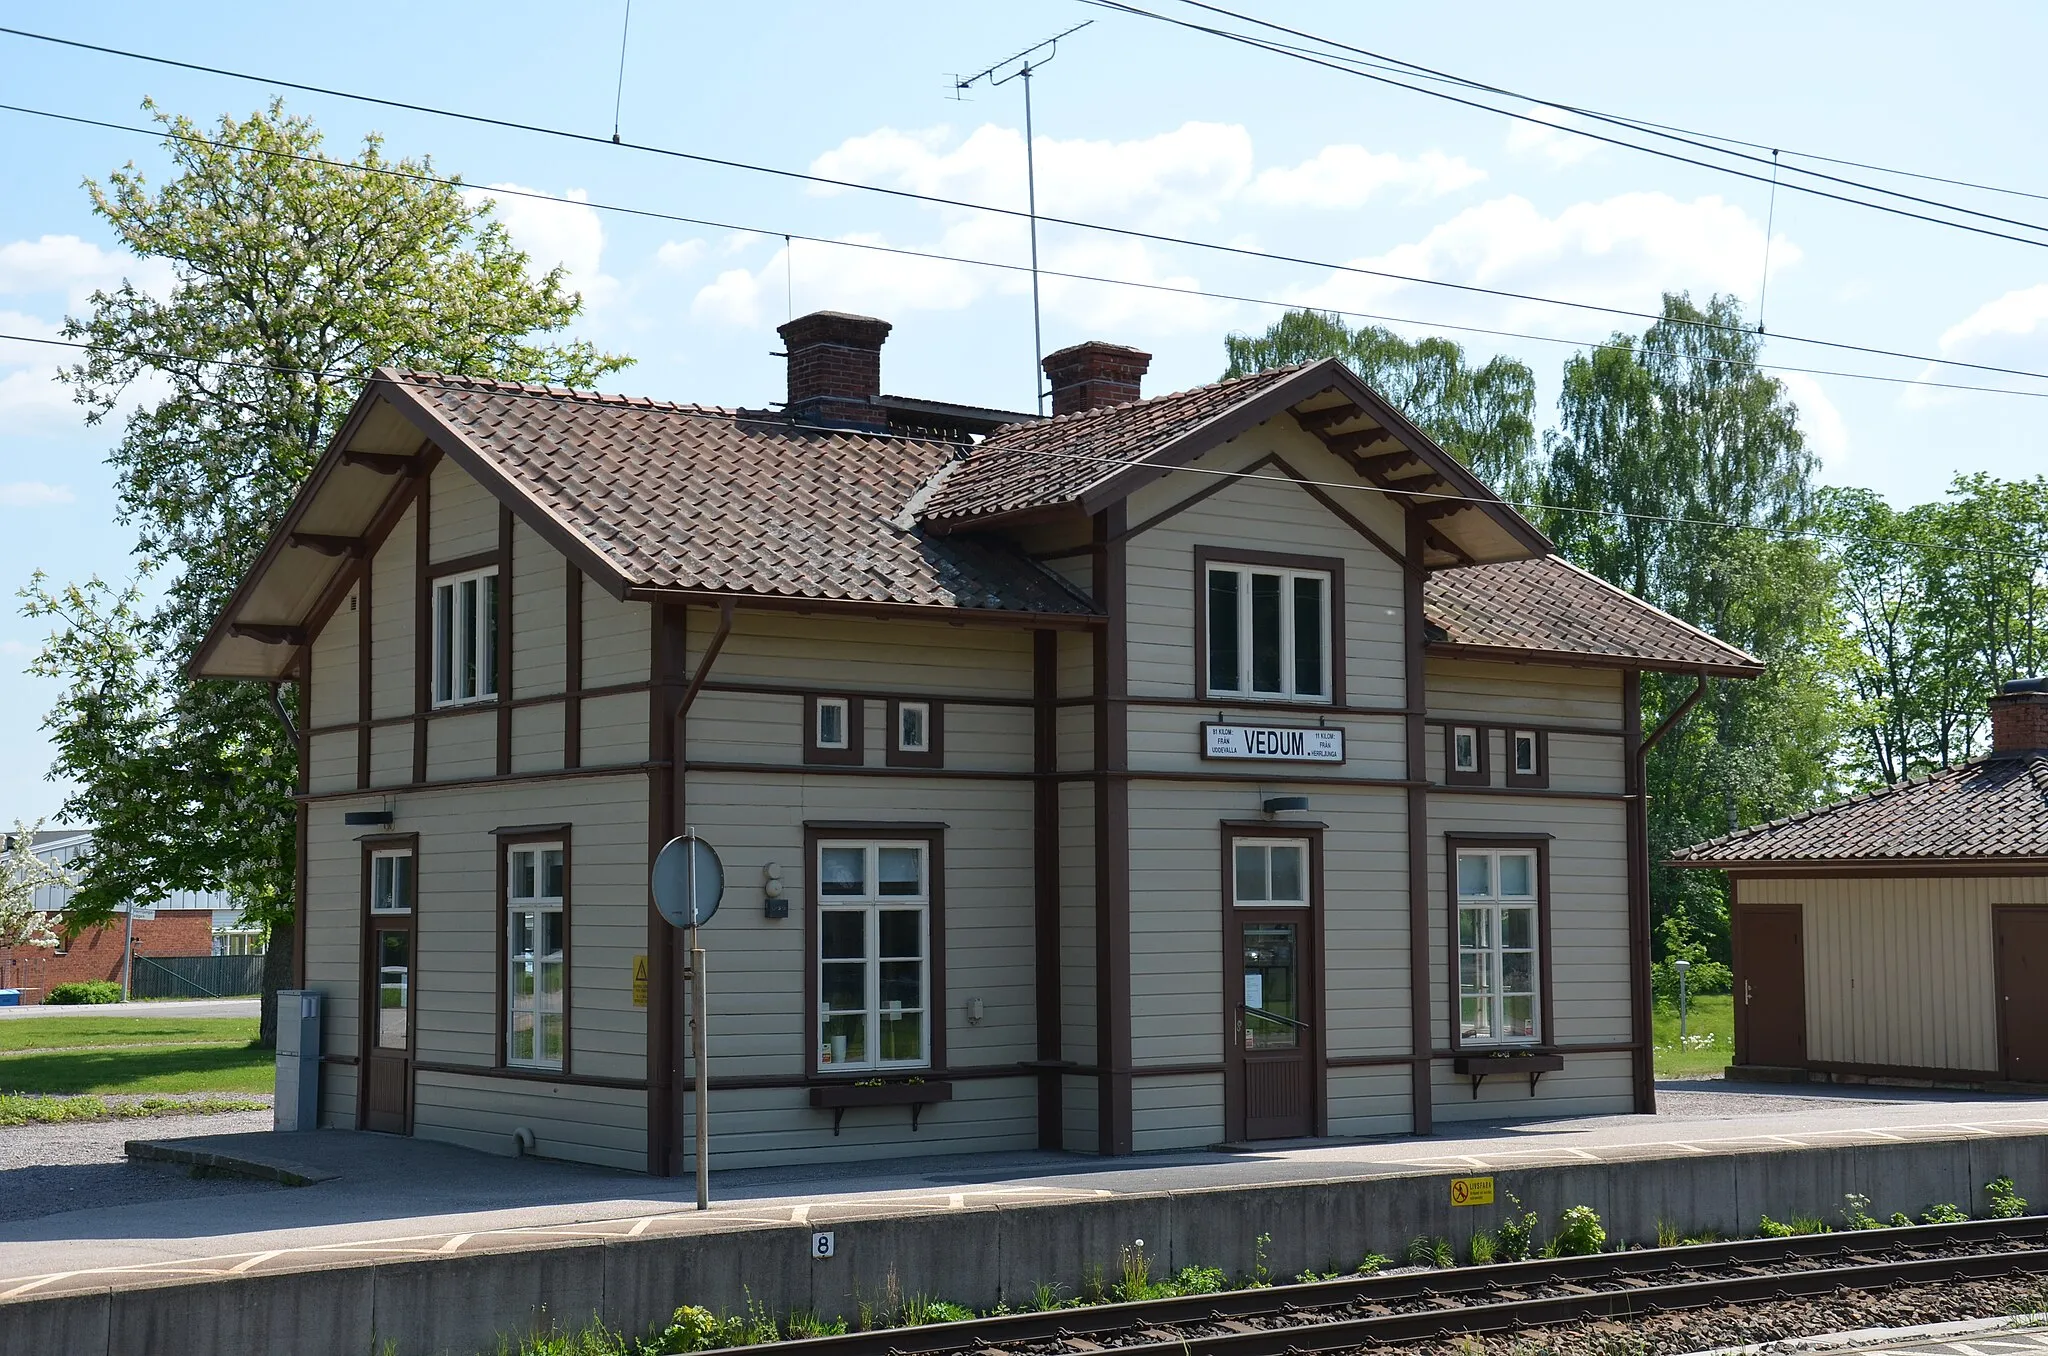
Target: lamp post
1681, 966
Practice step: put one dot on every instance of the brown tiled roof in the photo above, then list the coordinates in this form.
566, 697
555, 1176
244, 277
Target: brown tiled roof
1996, 808
1548, 605
1056, 461
698, 498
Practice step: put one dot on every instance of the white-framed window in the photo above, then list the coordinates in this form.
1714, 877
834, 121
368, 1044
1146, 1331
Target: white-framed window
1527, 761
536, 955
1270, 873
466, 637
914, 727
834, 730
1268, 632
391, 886
1497, 946
874, 955
1465, 748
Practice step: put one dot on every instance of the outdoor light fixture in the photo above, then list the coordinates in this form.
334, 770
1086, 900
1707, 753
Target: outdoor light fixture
1274, 805
773, 904
367, 819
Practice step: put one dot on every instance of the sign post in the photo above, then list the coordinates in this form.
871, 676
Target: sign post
688, 883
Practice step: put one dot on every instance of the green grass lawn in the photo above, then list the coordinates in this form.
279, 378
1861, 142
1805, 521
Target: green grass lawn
44, 1033
244, 1067
1709, 1031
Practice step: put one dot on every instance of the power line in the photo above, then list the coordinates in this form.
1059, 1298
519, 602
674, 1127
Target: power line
908, 195
499, 390
1698, 140
420, 176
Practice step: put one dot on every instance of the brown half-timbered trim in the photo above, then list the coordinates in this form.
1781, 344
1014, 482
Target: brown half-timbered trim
1045, 883
934, 752
471, 708
1482, 737
507, 840
1414, 683
1205, 556
365, 650
856, 731
669, 644
422, 623
302, 836
1538, 778
475, 560
1254, 710
1539, 843
461, 783
530, 1075
1642, 1066
1111, 665
753, 689
1311, 833
1548, 727
933, 836
572, 671
504, 693
1223, 482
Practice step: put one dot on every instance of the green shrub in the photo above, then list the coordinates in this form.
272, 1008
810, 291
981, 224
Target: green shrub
808, 1324
1199, 1281
922, 1310
1792, 1228
1901, 1220
1580, 1233
2006, 1201
1480, 1250
1516, 1237
1856, 1212
1372, 1264
1945, 1213
85, 991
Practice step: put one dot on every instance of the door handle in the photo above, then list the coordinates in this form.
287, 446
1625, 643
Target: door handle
1745, 993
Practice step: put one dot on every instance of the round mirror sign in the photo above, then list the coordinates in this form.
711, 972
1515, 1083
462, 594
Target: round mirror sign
672, 871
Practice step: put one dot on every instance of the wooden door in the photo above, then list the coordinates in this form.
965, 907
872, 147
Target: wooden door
1770, 986
389, 966
2022, 941
1272, 1089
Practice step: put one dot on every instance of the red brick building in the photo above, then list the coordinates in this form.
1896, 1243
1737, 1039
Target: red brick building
96, 954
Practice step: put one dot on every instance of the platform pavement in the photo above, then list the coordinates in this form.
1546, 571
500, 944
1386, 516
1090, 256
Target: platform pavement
401, 1198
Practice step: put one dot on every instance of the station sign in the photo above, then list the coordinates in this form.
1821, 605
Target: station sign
1273, 743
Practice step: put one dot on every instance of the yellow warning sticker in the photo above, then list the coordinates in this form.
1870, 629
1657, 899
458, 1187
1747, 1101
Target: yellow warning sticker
1471, 1191
639, 981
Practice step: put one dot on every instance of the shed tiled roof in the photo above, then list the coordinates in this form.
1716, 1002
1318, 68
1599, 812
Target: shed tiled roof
1056, 461
1996, 808
701, 498
1548, 605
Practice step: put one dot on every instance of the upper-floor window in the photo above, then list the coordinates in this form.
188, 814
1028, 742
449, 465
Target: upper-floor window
1268, 632
1527, 763
1498, 950
833, 730
831, 723
914, 727
466, 637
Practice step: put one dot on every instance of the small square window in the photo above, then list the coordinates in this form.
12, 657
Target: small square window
1465, 755
1528, 758
917, 733
832, 730
1465, 749
1271, 873
1525, 752
831, 723
913, 727
391, 882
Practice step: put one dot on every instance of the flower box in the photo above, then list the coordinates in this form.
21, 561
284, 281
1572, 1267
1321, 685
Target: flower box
839, 1097
1534, 1063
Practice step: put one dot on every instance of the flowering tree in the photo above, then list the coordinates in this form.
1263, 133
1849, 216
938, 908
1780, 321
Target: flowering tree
22, 873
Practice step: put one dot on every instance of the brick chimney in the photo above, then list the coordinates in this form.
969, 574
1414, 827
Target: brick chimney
2019, 717
1092, 375
835, 368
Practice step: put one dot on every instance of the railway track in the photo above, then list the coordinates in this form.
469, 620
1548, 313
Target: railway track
1362, 1311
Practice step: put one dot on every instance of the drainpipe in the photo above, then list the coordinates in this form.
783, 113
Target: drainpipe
284, 717
1664, 726
703, 672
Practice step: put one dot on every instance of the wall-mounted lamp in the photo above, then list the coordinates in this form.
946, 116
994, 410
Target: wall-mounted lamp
773, 905
1274, 805
974, 1012
367, 819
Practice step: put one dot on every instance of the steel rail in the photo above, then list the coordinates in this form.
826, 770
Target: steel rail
1629, 1272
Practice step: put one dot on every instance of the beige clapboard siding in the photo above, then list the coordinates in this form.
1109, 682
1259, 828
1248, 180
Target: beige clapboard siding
1080, 1104
766, 727
394, 606
768, 1127
1074, 736
1369, 1101
1169, 739
1588, 907
618, 642
539, 613
1497, 694
462, 745
463, 514
1365, 924
1577, 762
615, 729
1900, 971
334, 875
331, 761
336, 695
1074, 664
1177, 1111
391, 755
865, 655
1260, 515
1588, 1085
605, 1126
537, 737
1077, 921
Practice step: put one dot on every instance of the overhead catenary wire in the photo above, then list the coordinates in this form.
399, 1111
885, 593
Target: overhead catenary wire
505, 391
790, 237
909, 195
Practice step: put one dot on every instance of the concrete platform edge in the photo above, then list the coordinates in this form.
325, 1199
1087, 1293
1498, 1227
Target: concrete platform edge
239, 1165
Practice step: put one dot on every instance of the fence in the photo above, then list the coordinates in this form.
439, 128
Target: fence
197, 976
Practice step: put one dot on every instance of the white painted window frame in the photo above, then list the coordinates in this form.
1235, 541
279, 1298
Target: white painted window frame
1244, 689
870, 904
455, 643
1494, 905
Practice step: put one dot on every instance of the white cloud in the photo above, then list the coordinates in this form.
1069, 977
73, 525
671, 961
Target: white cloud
1542, 139
565, 233
1622, 252
1827, 435
2008, 330
29, 393
33, 494
1349, 176
679, 254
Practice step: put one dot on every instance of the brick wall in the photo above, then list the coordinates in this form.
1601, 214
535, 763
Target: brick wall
96, 954
2019, 722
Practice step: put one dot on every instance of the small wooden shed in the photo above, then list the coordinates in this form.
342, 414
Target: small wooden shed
1902, 934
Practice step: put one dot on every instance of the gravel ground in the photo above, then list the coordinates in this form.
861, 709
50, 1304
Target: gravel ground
49, 1169
1733, 1325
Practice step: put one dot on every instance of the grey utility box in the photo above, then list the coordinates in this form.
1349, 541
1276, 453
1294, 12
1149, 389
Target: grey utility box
298, 1060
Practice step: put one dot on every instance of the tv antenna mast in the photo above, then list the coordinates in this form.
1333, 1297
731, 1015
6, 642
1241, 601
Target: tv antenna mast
1025, 67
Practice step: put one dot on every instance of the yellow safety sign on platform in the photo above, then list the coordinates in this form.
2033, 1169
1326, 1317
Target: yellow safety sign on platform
1471, 1191
640, 982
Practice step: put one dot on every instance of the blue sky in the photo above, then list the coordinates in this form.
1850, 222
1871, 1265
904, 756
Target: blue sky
1137, 125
